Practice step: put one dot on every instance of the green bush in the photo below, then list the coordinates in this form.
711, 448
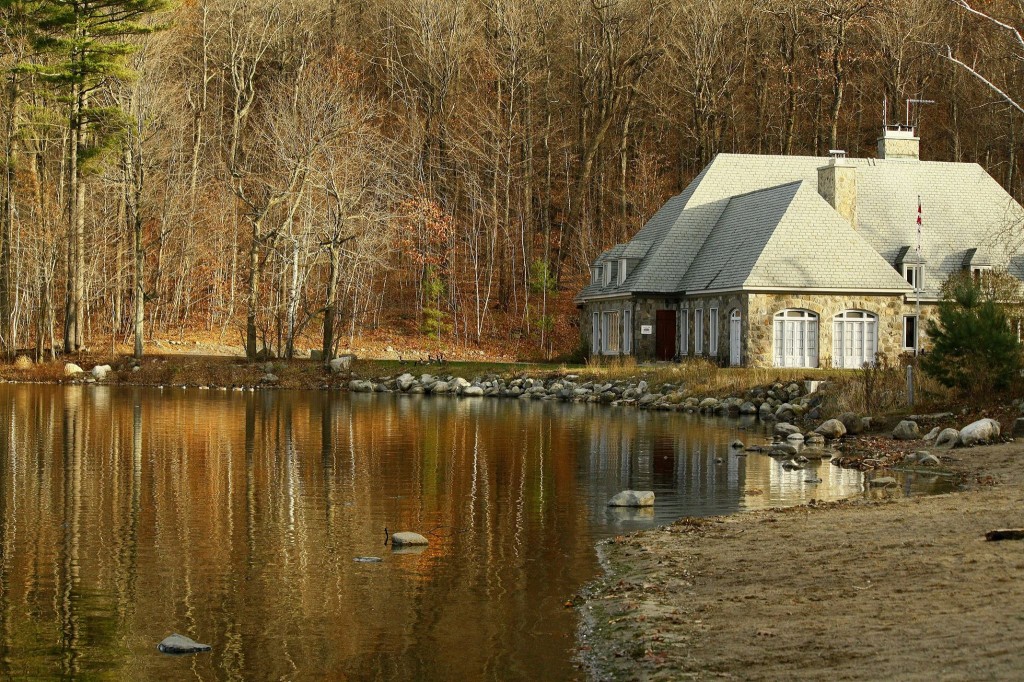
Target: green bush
973, 349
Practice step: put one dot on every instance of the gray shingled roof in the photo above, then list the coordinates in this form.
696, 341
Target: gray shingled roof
718, 228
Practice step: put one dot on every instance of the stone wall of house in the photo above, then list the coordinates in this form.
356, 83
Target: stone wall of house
586, 319
889, 309
725, 304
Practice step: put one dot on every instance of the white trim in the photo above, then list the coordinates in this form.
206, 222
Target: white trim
698, 331
854, 338
595, 334
627, 331
735, 338
713, 332
684, 341
917, 333
793, 290
788, 326
622, 271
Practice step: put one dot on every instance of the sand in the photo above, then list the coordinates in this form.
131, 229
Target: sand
899, 589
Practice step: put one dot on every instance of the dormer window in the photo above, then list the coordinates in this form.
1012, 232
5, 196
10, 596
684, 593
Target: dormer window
622, 271
979, 272
607, 268
914, 276
595, 274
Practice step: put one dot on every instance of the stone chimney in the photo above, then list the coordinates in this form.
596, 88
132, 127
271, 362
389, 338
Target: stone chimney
899, 142
837, 184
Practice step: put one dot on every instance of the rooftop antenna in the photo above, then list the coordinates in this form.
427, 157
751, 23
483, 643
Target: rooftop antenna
885, 113
916, 101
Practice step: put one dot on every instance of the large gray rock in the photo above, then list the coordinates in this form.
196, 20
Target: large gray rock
814, 438
831, 429
784, 429
633, 498
100, 372
947, 438
782, 450
472, 391
854, 424
342, 363
180, 644
748, 408
906, 430
979, 432
406, 538
405, 382
933, 434
71, 370
359, 386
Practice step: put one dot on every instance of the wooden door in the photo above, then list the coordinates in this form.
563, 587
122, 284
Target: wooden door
665, 336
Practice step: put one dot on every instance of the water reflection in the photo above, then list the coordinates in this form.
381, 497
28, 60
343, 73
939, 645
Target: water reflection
126, 514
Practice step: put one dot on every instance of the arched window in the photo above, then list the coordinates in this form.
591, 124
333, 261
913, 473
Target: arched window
796, 338
854, 339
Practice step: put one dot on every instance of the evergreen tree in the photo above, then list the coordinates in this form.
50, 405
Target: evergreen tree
974, 349
89, 41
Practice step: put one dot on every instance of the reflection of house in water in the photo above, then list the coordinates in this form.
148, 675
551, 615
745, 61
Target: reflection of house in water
769, 485
672, 454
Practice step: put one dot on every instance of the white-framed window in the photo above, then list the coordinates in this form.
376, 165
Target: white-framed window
795, 334
611, 333
627, 331
978, 272
622, 271
607, 268
698, 331
684, 332
914, 275
854, 339
595, 334
735, 331
595, 274
910, 337
713, 332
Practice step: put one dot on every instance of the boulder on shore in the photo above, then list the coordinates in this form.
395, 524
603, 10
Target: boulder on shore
633, 498
979, 432
71, 369
947, 438
906, 430
853, 423
406, 538
180, 644
342, 363
831, 429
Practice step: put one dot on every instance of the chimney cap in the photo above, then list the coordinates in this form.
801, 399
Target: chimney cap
837, 153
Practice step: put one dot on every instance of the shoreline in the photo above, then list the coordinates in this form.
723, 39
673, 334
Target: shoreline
904, 588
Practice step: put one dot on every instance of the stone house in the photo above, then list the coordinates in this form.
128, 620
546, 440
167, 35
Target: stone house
794, 261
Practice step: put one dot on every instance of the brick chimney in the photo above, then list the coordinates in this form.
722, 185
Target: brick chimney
899, 142
837, 184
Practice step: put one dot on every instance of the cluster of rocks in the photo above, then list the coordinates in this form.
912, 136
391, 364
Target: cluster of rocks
976, 433
97, 373
776, 402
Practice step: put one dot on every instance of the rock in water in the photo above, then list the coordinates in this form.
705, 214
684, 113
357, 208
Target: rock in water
906, 430
406, 538
981, 431
367, 559
180, 644
71, 369
633, 498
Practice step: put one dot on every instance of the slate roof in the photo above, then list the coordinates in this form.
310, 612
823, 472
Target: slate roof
758, 222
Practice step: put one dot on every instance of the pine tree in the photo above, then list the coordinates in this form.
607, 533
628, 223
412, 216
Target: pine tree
89, 42
973, 347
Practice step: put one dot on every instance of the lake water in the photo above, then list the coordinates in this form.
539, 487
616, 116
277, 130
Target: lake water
128, 514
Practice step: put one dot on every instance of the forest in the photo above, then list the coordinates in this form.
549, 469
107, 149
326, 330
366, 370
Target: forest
288, 173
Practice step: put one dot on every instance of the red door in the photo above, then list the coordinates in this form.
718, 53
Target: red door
665, 335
